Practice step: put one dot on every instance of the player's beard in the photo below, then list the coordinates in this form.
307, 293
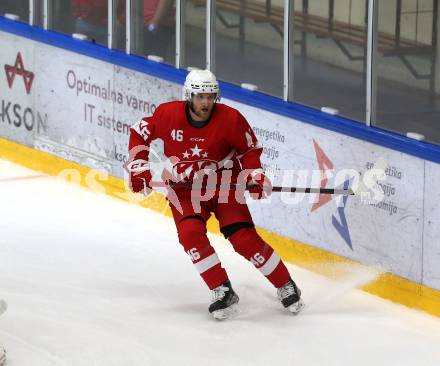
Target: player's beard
203, 112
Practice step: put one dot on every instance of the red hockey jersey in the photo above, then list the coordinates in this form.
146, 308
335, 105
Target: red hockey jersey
225, 142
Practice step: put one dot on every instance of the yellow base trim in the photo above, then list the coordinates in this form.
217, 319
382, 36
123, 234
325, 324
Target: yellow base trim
387, 285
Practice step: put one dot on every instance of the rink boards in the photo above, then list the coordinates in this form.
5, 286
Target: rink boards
78, 109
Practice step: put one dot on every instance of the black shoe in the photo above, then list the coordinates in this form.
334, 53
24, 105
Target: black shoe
223, 300
290, 297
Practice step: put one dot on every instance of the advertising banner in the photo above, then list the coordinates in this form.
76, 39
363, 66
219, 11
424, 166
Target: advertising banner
73, 106
81, 109
387, 233
431, 232
20, 118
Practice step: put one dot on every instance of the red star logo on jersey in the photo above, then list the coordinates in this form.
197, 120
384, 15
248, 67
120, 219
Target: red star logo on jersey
18, 69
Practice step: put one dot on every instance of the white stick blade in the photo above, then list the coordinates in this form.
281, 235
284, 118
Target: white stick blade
379, 168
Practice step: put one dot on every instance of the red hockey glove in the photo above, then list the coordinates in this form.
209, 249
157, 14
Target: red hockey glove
139, 176
258, 185
140, 182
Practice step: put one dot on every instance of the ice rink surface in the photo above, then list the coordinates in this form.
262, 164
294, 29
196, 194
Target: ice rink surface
92, 280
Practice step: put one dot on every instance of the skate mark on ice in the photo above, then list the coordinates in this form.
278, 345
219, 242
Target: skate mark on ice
41, 351
346, 278
26, 177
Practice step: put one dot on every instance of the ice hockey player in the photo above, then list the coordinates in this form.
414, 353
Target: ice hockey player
203, 138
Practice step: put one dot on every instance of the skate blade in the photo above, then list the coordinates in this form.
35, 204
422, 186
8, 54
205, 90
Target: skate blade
225, 313
297, 307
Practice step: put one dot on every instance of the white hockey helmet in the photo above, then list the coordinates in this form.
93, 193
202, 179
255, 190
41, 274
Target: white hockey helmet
200, 81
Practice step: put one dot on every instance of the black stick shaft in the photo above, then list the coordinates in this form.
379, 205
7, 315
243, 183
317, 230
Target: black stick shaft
313, 190
274, 189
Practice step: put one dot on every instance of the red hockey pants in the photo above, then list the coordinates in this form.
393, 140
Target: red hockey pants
191, 229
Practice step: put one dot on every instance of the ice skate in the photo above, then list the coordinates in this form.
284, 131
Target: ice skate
224, 301
290, 297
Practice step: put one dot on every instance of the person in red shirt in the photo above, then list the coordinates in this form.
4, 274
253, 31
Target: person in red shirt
159, 26
91, 19
158, 23
211, 157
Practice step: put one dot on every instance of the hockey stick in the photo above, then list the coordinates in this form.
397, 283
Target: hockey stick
340, 191
274, 189
372, 176
375, 174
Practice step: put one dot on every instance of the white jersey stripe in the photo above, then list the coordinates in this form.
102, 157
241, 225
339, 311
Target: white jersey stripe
207, 263
272, 263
